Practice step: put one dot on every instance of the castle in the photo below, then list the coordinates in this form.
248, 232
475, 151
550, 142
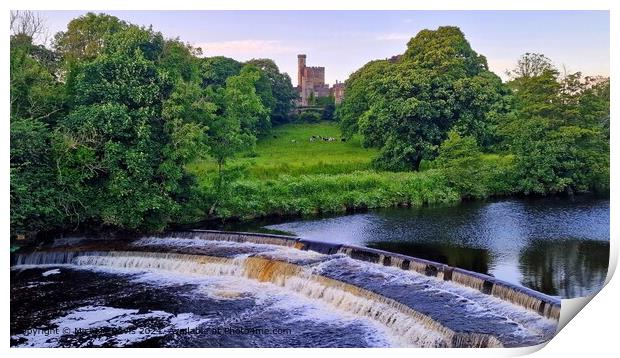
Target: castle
311, 83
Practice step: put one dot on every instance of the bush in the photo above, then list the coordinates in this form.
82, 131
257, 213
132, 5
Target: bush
309, 117
461, 160
320, 193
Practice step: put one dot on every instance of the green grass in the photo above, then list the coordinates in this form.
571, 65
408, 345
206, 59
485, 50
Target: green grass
288, 150
335, 193
290, 175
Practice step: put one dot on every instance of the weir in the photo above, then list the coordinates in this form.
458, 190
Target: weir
546, 306
427, 303
411, 326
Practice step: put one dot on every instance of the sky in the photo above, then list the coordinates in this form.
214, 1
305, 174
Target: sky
343, 41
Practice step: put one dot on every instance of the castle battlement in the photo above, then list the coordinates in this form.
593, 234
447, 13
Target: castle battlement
311, 83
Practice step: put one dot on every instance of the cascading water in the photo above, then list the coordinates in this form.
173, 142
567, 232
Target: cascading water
408, 304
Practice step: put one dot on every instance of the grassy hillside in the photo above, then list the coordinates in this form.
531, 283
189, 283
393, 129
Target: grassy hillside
291, 175
288, 150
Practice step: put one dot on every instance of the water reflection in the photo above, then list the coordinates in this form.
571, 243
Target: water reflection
570, 268
465, 257
554, 245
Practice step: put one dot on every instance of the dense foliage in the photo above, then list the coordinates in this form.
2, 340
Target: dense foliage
559, 131
439, 98
118, 127
407, 105
104, 124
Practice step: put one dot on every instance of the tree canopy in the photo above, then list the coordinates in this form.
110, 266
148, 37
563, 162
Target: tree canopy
559, 131
406, 105
104, 124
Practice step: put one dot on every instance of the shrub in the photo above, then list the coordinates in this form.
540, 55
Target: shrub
309, 117
320, 193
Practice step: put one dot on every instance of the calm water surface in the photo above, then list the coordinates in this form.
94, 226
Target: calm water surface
558, 246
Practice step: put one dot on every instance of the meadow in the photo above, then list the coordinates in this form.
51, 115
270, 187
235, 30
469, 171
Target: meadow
287, 174
287, 150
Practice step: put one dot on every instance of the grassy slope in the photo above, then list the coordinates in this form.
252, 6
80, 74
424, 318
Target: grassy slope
288, 150
289, 175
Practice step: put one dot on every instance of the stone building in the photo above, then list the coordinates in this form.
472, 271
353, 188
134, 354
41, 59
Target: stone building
311, 83
337, 91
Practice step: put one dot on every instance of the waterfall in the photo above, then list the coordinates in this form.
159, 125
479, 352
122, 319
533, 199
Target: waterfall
529, 299
265, 239
414, 328
468, 280
523, 297
47, 258
526, 300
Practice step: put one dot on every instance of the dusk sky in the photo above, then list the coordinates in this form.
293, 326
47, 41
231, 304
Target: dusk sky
343, 41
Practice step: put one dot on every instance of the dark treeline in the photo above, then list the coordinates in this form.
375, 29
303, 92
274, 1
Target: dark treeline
105, 122
438, 106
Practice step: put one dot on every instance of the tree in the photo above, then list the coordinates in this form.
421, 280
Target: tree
181, 60
215, 70
461, 160
244, 103
37, 102
263, 88
234, 131
187, 114
35, 201
34, 89
406, 105
121, 149
360, 85
531, 65
563, 159
558, 131
594, 104
282, 89
27, 24
87, 35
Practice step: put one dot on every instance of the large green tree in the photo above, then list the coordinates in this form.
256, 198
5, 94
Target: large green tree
406, 105
281, 89
559, 131
134, 125
37, 101
87, 35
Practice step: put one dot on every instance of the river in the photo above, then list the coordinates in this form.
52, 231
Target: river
557, 246
221, 289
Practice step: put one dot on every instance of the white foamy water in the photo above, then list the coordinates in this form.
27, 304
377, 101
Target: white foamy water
276, 252
258, 277
527, 322
50, 272
269, 299
180, 242
107, 326
415, 329
406, 326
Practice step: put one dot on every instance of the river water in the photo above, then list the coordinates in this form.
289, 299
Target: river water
557, 246
197, 289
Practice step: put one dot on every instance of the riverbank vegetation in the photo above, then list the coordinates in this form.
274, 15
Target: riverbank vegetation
115, 126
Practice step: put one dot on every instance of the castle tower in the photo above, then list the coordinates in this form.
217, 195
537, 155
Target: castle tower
301, 65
